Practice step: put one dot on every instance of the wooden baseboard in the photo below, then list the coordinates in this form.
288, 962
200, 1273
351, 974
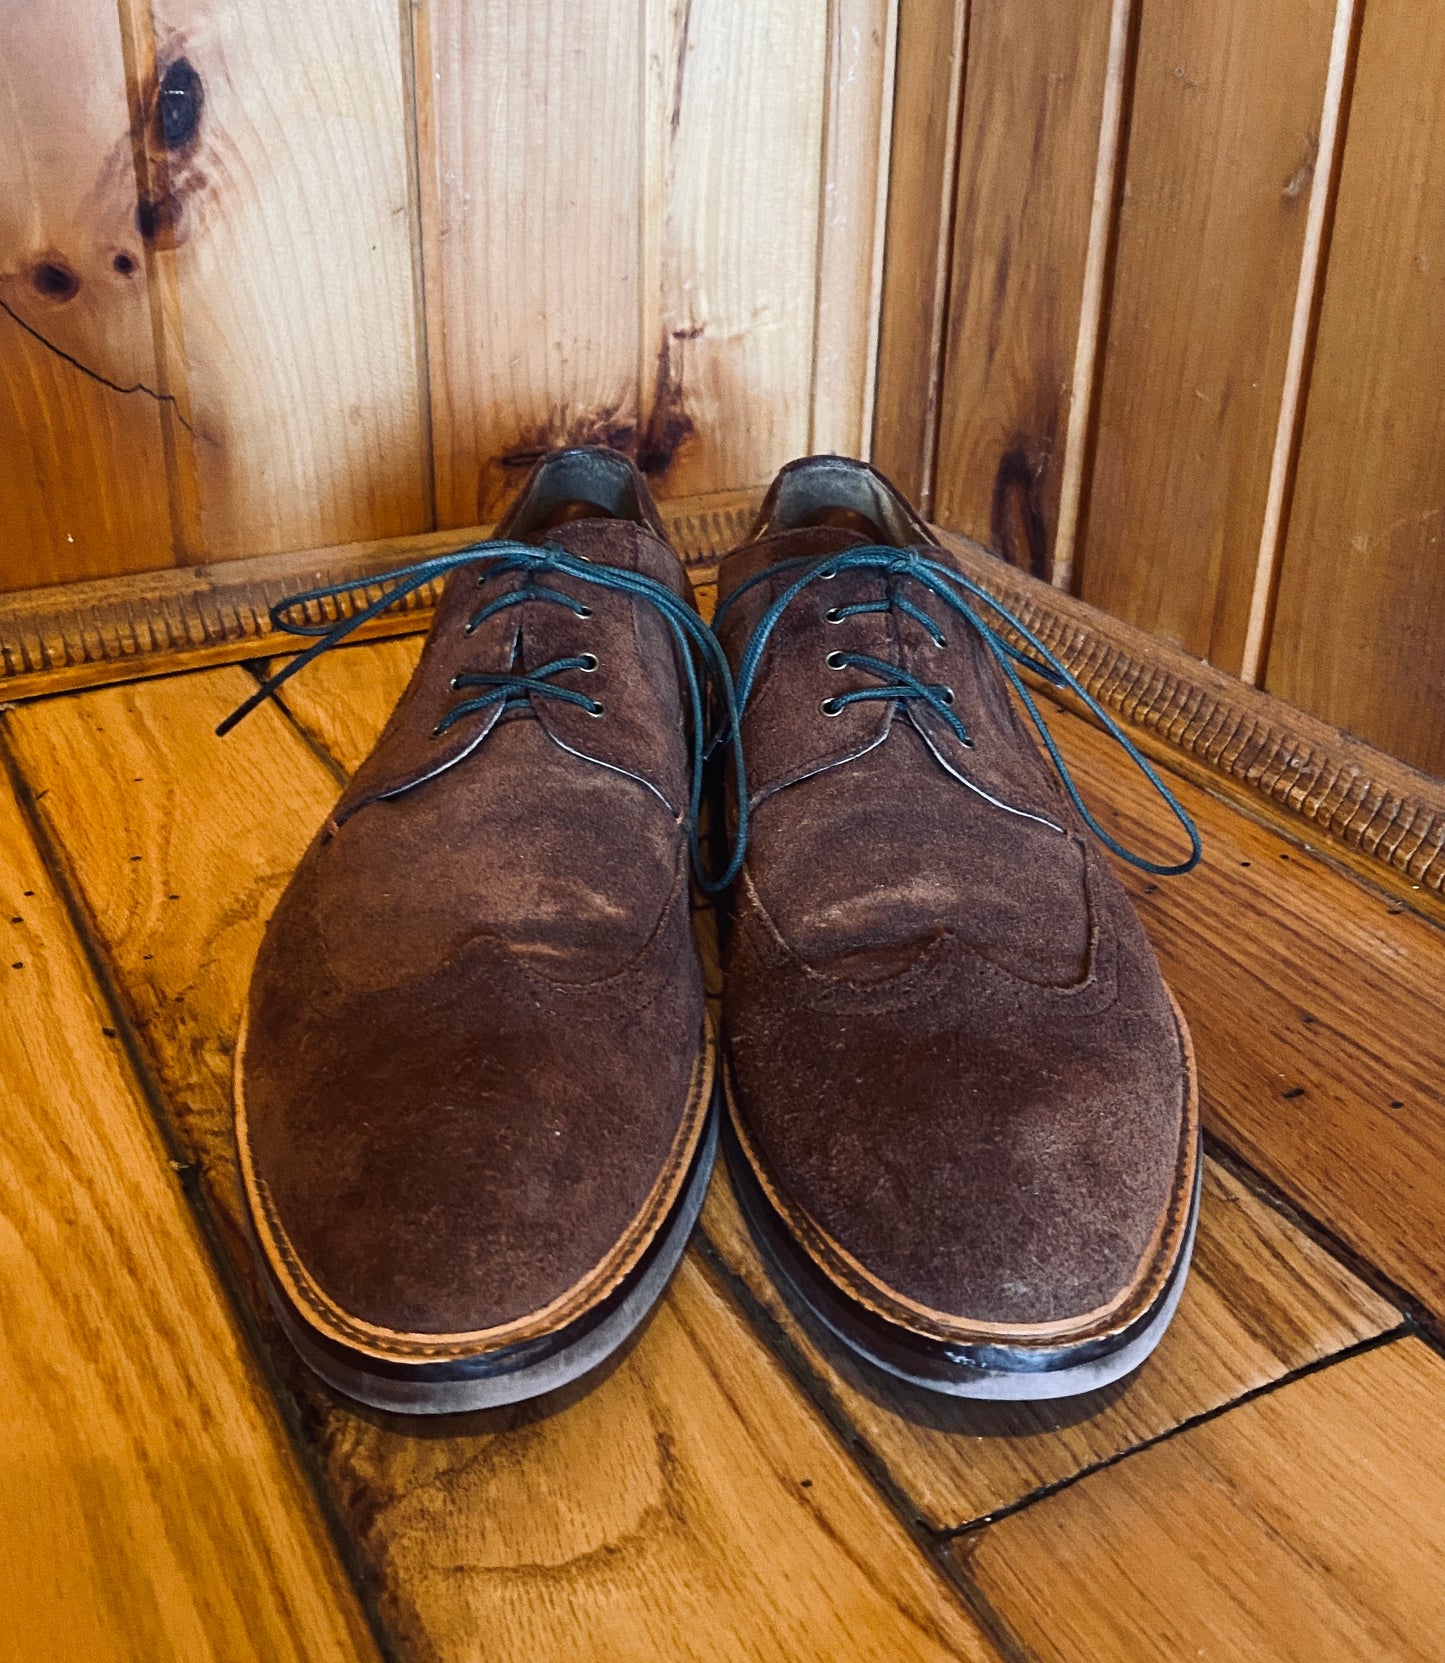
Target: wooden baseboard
1385, 818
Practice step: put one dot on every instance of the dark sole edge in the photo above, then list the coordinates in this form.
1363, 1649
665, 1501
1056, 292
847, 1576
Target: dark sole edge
995, 1372
523, 1372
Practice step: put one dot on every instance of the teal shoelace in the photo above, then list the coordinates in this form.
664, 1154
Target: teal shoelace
705, 669
973, 605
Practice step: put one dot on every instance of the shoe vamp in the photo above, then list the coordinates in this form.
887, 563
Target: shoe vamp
568, 862
458, 1149
889, 848
985, 1149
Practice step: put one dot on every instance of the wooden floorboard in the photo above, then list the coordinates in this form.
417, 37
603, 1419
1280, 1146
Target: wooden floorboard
692, 1505
151, 1505
1262, 1300
1307, 1526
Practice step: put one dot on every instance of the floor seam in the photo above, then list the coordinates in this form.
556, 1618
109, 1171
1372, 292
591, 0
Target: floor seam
106, 983
1272, 1195
930, 1542
983, 1521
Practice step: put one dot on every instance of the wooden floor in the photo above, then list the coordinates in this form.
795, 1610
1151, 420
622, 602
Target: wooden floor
1271, 1485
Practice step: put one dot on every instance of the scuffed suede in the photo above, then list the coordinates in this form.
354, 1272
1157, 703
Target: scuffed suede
951, 1055
471, 1070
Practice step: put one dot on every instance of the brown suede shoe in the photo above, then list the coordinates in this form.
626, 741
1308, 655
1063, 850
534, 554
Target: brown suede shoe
963, 1118
473, 1082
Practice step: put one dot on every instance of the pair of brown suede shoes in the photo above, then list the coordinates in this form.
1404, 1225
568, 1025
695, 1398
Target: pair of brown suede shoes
475, 1086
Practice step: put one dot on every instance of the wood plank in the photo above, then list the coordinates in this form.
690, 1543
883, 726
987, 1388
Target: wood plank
341, 701
151, 1506
1224, 131
1314, 1004
1262, 1300
1305, 1527
691, 1504
279, 215
84, 491
922, 180
530, 138
857, 136
1034, 102
1359, 635
726, 385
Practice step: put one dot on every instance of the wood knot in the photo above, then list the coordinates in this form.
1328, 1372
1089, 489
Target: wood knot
55, 280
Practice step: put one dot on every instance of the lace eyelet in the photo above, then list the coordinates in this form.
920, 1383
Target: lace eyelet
590, 663
831, 707
831, 616
836, 661
452, 685
597, 708
948, 695
829, 575
940, 642
581, 611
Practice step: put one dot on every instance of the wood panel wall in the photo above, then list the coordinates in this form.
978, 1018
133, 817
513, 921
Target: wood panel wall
296, 272
1147, 296
1188, 295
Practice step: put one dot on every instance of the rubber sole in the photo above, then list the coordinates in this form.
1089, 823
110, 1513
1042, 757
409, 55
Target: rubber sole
524, 1372
994, 1373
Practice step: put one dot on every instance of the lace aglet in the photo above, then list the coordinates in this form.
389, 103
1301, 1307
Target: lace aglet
241, 711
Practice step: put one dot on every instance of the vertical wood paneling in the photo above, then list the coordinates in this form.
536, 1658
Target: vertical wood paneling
276, 201
1033, 110
727, 401
922, 178
82, 468
1359, 636
529, 121
1223, 143
858, 122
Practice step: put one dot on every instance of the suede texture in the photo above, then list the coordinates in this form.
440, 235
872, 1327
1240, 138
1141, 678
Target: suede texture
949, 1046
476, 1018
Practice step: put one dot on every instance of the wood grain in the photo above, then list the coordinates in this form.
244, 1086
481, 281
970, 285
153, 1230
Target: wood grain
279, 216
727, 393
1359, 635
857, 136
1224, 133
1305, 1527
1262, 1300
150, 1505
84, 490
922, 181
1315, 1008
341, 701
691, 1504
530, 133
1033, 104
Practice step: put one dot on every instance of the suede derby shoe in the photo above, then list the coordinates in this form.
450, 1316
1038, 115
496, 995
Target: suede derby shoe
473, 1084
963, 1119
